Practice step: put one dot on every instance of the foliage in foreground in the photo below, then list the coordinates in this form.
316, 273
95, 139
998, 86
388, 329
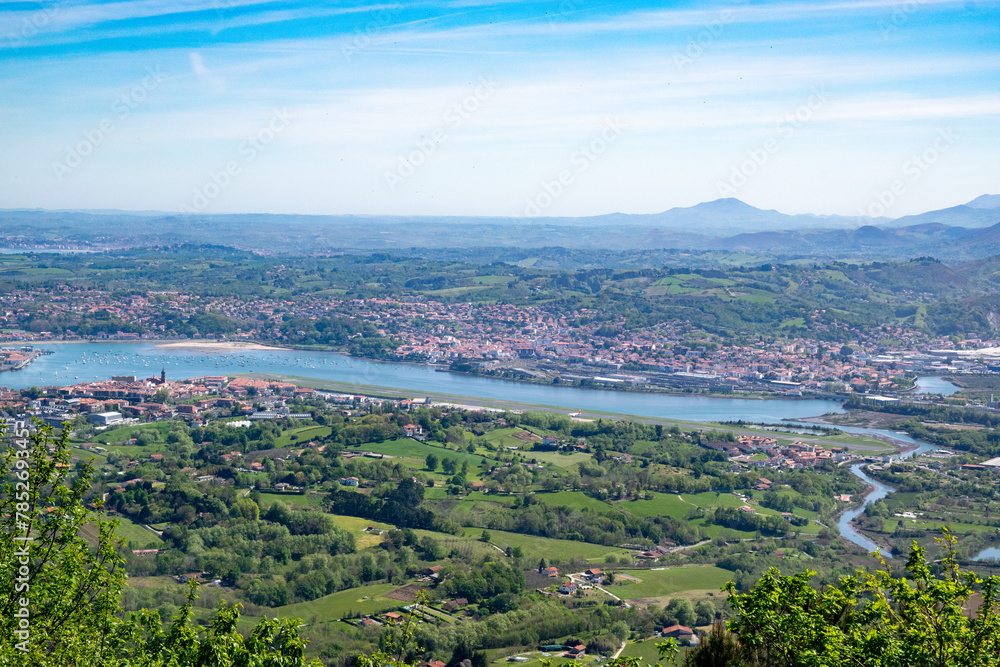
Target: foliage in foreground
60, 598
60, 601
873, 619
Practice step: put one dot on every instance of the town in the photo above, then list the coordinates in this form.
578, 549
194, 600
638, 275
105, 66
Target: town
529, 343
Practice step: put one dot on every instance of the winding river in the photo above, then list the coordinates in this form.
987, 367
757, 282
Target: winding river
879, 490
78, 362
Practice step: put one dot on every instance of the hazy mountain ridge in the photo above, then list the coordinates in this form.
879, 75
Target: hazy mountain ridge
961, 233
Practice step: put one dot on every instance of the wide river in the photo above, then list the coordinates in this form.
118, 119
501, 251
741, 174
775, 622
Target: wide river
78, 362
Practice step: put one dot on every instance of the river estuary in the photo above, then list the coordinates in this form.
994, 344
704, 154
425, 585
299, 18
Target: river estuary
71, 363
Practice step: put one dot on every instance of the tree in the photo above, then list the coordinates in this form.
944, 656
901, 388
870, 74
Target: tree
431, 461
58, 598
719, 648
61, 597
682, 610
705, 611
874, 618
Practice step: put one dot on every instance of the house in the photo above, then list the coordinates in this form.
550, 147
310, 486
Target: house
432, 663
551, 571
156, 458
349, 481
568, 589
575, 652
145, 552
393, 616
457, 603
654, 553
594, 576
677, 632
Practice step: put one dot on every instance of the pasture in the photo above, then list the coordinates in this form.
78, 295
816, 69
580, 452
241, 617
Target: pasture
657, 583
361, 600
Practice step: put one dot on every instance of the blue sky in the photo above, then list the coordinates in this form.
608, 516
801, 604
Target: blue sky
466, 107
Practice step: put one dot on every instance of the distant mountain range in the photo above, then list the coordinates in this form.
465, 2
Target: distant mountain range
964, 232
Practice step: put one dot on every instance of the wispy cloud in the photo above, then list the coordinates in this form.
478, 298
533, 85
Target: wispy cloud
563, 68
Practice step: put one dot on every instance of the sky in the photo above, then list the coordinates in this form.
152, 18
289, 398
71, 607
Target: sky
515, 109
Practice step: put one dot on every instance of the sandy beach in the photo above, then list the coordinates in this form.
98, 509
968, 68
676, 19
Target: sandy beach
214, 346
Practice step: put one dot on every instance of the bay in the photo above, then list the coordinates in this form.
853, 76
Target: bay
80, 362
71, 363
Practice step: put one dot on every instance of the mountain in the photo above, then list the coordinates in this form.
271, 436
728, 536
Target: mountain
724, 217
956, 216
959, 233
985, 201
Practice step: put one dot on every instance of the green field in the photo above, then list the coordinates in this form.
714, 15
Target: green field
304, 500
119, 435
417, 452
678, 507
302, 436
934, 526
575, 499
504, 437
337, 605
550, 549
134, 534
647, 652
656, 583
559, 459
357, 526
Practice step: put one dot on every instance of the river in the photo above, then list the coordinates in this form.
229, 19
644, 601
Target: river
990, 553
880, 490
935, 385
78, 362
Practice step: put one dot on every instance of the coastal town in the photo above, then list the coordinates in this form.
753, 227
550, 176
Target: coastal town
529, 343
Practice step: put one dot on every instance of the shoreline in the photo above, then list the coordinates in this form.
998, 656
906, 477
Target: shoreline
215, 346
219, 347
161, 343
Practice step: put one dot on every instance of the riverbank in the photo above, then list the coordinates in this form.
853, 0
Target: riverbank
210, 346
860, 444
162, 344
227, 347
857, 508
622, 387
